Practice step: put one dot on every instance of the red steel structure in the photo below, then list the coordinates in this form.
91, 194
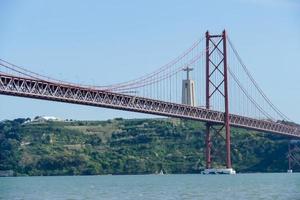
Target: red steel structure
52, 91
218, 43
217, 121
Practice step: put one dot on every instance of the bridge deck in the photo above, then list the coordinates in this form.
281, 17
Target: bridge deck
41, 89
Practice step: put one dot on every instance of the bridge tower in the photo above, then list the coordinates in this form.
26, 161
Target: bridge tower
216, 47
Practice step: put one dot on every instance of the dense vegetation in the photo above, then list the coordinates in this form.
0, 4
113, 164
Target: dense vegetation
137, 146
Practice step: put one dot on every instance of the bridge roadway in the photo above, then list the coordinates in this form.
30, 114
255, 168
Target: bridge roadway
53, 91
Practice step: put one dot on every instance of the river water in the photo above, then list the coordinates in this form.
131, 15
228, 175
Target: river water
193, 186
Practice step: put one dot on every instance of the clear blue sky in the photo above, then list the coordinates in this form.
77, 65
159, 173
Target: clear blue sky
103, 42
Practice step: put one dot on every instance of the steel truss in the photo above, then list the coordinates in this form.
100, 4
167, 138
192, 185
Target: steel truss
54, 91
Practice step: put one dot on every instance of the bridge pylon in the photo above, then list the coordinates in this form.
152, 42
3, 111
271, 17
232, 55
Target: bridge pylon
217, 87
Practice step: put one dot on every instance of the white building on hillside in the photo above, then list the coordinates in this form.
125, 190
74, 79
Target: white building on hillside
45, 118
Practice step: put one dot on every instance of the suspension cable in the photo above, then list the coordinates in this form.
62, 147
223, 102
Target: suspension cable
255, 83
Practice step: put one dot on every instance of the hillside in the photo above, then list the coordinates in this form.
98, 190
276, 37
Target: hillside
136, 146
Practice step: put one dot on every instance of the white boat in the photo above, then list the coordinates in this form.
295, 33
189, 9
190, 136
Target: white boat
228, 171
161, 172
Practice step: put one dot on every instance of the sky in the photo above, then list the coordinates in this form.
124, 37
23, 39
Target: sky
103, 42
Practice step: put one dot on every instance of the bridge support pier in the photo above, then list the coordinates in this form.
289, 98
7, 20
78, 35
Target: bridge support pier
208, 147
217, 88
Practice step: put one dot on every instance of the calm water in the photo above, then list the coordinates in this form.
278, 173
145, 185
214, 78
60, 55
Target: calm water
241, 186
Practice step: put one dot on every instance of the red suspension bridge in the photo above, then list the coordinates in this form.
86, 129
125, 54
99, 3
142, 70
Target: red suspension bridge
219, 90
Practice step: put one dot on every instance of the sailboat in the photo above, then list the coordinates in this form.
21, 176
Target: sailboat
161, 172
